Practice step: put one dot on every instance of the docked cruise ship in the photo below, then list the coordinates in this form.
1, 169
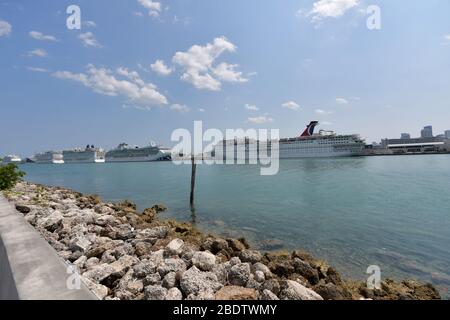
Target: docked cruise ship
90, 154
11, 159
49, 157
127, 153
307, 145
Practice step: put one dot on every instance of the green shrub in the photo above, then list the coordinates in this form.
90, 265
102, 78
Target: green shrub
9, 176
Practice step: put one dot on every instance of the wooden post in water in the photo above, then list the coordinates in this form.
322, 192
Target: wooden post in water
194, 169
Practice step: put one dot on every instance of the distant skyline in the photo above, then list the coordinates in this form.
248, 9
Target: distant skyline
139, 69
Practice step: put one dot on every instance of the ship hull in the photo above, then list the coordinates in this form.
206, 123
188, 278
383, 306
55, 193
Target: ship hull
340, 146
85, 161
151, 158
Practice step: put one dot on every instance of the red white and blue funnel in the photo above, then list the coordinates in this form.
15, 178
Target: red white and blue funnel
309, 131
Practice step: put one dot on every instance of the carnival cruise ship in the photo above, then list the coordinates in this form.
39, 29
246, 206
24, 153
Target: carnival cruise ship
127, 153
90, 154
49, 157
307, 145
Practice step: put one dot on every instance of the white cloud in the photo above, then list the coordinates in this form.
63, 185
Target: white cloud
199, 69
447, 37
103, 81
133, 106
291, 105
40, 36
260, 120
341, 101
227, 72
322, 112
180, 107
37, 53
331, 8
138, 14
201, 110
132, 75
36, 69
154, 7
251, 107
160, 68
5, 28
89, 24
88, 39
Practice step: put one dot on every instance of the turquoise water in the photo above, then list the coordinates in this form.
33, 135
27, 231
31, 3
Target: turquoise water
354, 212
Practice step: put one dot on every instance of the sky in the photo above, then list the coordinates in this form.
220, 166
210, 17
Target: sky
139, 69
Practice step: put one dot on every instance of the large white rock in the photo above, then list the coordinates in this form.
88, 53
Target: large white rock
174, 294
175, 247
197, 282
204, 260
79, 243
295, 291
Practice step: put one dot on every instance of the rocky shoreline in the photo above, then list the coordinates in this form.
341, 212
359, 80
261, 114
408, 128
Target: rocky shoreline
124, 254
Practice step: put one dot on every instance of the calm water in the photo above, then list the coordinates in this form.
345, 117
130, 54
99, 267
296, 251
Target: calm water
354, 212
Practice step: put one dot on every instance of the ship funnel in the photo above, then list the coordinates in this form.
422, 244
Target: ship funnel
309, 131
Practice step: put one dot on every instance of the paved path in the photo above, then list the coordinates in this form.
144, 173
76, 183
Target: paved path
30, 268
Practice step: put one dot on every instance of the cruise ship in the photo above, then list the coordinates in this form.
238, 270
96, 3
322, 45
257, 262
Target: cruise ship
306, 145
49, 157
90, 154
11, 159
127, 153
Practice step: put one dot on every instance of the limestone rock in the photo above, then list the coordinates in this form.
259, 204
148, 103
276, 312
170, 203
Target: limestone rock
204, 260
304, 269
259, 276
155, 292
152, 279
251, 256
53, 222
122, 265
171, 265
239, 274
293, 290
194, 281
156, 232
99, 273
174, 294
79, 243
170, 280
264, 269
236, 293
268, 295
144, 268
175, 247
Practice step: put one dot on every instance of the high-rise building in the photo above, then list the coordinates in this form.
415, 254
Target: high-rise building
447, 134
405, 136
427, 132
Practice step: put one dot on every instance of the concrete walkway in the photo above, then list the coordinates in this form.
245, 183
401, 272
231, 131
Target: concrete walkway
30, 268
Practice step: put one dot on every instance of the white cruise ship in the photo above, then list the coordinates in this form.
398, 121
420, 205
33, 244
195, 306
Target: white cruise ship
11, 159
49, 157
127, 153
307, 145
90, 154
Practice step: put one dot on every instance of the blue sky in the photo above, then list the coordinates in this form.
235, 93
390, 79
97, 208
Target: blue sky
139, 69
